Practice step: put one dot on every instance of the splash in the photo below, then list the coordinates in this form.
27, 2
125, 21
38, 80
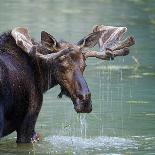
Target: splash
78, 144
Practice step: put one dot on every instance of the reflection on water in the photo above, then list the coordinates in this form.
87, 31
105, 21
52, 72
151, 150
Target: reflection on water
123, 116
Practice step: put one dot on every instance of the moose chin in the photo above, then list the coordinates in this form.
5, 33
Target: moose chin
29, 68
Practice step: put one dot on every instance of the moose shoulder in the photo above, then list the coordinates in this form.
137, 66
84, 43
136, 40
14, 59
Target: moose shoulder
28, 69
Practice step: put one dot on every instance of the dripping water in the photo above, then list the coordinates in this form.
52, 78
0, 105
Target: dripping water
83, 125
121, 98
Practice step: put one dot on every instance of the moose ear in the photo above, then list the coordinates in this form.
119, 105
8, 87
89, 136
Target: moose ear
23, 39
49, 41
90, 40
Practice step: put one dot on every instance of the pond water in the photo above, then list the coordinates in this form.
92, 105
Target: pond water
123, 91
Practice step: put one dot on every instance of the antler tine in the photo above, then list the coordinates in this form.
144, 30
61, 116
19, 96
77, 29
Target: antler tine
126, 43
107, 55
22, 38
52, 56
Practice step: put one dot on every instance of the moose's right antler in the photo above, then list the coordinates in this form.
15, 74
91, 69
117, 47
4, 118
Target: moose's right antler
110, 43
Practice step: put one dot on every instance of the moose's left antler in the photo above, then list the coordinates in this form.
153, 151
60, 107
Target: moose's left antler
24, 41
110, 43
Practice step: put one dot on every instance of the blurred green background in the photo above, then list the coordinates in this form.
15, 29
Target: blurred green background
123, 91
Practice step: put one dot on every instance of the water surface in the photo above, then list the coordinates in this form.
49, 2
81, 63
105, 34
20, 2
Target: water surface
123, 91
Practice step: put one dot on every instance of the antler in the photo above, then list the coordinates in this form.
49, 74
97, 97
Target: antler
24, 41
126, 43
52, 56
108, 55
110, 43
22, 38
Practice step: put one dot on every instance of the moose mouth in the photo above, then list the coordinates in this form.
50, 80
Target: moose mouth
80, 105
112, 38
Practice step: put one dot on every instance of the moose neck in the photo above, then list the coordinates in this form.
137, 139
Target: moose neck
46, 75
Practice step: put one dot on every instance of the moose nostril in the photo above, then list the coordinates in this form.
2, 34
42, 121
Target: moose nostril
84, 97
80, 96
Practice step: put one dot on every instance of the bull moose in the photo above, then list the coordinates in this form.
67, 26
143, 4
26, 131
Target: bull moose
29, 68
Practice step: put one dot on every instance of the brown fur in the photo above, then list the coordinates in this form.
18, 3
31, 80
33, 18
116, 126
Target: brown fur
24, 79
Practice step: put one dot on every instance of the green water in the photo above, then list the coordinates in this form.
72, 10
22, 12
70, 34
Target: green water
123, 91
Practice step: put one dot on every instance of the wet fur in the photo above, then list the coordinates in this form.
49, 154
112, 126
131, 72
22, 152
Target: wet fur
21, 89
24, 78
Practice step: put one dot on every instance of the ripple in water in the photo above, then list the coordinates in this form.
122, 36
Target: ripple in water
78, 144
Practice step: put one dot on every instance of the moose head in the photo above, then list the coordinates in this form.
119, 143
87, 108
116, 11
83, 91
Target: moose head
67, 61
